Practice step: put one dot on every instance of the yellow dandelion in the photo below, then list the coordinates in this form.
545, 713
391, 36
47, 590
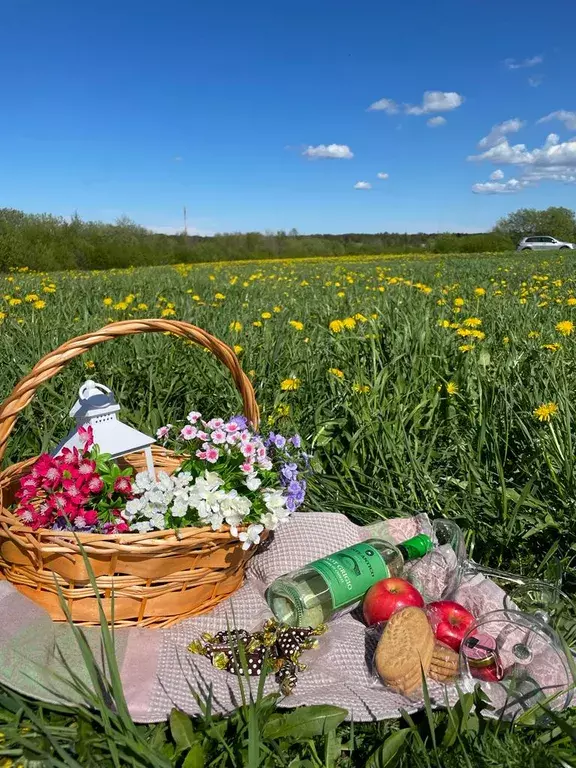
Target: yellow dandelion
3, 316
444, 323
545, 411
466, 347
360, 317
257, 323
142, 306
451, 388
360, 388
349, 323
506, 340
238, 349
39, 304
282, 410
472, 322
236, 326
297, 325
195, 297
31, 297
49, 289
107, 301
336, 326
90, 364
277, 309
341, 294
121, 305
458, 302
15, 302
374, 316
551, 347
219, 296
571, 301
289, 385
336, 372
565, 327
534, 334
168, 312
480, 291
441, 302
266, 315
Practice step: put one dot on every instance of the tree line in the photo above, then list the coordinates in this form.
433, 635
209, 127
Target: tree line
43, 242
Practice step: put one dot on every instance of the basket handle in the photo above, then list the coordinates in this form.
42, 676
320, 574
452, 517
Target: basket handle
53, 363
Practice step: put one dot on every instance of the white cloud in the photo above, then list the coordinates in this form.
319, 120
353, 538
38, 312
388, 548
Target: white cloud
382, 175
436, 101
436, 122
498, 132
432, 101
497, 175
332, 151
568, 118
499, 187
535, 80
553, 153
384, 105
513, 64
362, 185
553, 161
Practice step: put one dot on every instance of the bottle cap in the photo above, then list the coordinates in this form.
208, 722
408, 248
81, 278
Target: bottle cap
417, 546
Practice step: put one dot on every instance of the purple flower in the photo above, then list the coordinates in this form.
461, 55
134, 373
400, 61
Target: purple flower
291, 503
294, 488
279, 441
242, 421
296, 441
289, 471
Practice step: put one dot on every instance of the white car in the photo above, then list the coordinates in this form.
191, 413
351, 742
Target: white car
542, 243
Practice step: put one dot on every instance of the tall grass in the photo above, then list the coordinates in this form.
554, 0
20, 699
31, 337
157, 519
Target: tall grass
400, 418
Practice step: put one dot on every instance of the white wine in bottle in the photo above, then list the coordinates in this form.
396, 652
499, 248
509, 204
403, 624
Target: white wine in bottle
335, 584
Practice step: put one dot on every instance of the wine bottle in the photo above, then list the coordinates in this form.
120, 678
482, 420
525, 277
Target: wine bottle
309, 596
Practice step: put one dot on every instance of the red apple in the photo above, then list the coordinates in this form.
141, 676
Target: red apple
387, 597
450, 622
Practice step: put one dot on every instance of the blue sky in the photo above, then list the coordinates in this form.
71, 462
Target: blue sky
139, 108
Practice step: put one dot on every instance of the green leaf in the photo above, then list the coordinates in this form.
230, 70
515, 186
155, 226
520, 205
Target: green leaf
182, 730
305, 722
391, 752
196, 757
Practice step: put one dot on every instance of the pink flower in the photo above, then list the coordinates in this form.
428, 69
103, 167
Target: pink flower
26, 513
163, 432
233, 438
95, 484
58, 502
123, 485
90, 516
86, 437
201, 454
52, 478
86, 468
202, 435
29, 485
194, 416
248, 449
73, 490
247, 468
70, 458
215, 423
188, 432
245, 436
261, 453
232, 426
122, 527
212, 454
219, 436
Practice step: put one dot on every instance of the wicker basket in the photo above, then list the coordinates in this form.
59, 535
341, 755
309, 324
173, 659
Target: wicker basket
156, 578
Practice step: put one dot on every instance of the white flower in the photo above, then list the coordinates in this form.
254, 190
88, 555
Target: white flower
194, 416
274, 500
271, 520
251, 536
142, 527
143, 481
253, 482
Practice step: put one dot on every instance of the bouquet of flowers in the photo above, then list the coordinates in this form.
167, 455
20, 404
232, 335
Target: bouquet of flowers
229, 475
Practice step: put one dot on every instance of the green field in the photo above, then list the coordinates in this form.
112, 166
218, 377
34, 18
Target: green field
418, 383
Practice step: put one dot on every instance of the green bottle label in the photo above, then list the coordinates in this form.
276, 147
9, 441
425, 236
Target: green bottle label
351, 572
415, 547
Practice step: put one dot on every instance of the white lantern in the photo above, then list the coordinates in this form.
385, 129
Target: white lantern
97, 408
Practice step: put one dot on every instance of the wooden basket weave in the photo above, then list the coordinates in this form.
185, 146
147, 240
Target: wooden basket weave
156, 578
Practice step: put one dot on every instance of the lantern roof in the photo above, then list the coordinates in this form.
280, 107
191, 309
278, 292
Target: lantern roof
96, 407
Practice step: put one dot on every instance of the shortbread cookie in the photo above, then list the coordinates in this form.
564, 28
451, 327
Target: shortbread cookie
444, 664
405, 650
